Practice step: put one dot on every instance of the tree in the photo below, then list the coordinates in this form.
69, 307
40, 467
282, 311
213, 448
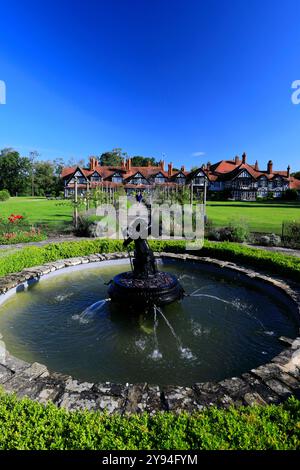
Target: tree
143, 161
15, 172
44, 179
112, 158
296, 175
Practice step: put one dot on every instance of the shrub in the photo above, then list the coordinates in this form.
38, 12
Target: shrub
4, 195
290, 195
291, 233
236, 231
26, 425
269, 240
279, 263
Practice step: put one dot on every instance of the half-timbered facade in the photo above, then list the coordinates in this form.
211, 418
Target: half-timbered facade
241, 180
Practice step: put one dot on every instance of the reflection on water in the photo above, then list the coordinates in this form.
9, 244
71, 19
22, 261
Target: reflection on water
220, 329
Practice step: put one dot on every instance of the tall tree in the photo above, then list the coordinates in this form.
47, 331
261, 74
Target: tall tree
143, 161
112, 158
296, 175
15, 172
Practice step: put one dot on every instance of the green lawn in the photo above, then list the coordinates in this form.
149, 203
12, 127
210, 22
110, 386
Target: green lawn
40, 211
261, 216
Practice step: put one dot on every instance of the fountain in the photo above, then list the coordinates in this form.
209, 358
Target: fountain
145, 285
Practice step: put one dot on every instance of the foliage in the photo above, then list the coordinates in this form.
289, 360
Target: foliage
16, 229
290, 195
46, 181
291, 233
14, 172
143, 161
296, 175
236, 231
4, 195
279, 263
112, 158
27, 425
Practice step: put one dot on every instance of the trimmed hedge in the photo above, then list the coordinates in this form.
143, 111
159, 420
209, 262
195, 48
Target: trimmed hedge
276, 263
27, 425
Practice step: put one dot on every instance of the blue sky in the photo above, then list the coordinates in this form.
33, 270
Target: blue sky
195, 80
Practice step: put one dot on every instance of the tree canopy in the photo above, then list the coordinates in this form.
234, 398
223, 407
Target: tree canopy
296, 175
113, 157
143, 161
14, 172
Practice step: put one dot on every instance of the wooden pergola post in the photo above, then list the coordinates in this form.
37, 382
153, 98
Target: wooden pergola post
75, 202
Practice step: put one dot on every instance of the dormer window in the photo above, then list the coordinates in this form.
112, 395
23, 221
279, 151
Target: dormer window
159, 178
117, 178
199, 179
138, 178
95, 177
180, 179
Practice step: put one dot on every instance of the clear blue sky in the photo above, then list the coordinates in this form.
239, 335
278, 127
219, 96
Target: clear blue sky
152, 76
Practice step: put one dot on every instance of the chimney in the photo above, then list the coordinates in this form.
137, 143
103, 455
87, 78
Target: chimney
288, 171
237, 160
162, 165
93, 163
270, 167
149, 163
244, 157
128, 164
170, 169
208, 165
256, 167
183, 168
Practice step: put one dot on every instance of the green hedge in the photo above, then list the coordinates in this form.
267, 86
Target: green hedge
277, 263
25, 424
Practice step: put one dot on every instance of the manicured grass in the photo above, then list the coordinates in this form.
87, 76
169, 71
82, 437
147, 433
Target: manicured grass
261, 216
52, 214
26, 425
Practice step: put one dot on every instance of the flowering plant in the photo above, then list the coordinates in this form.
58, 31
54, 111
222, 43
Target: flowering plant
16, 229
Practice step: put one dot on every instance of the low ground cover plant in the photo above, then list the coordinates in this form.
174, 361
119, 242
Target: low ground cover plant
27, 425
276, 263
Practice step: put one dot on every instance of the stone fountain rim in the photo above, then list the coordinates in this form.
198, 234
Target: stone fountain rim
271, 382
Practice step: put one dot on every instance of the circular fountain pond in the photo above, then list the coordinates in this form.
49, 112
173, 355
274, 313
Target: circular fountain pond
224, 328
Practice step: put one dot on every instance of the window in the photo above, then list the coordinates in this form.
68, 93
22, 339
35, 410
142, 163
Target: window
159, 178
95, 177
180, 179
263, 182
199, 180
117, 178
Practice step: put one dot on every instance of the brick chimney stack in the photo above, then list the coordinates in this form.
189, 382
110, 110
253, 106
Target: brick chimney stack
288, 171
270, 167
237, 160
208, 165
162, 165
256, 167
244, 157
149, 163
170, 169
123, 166
93, 163
128, 164
183, 168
